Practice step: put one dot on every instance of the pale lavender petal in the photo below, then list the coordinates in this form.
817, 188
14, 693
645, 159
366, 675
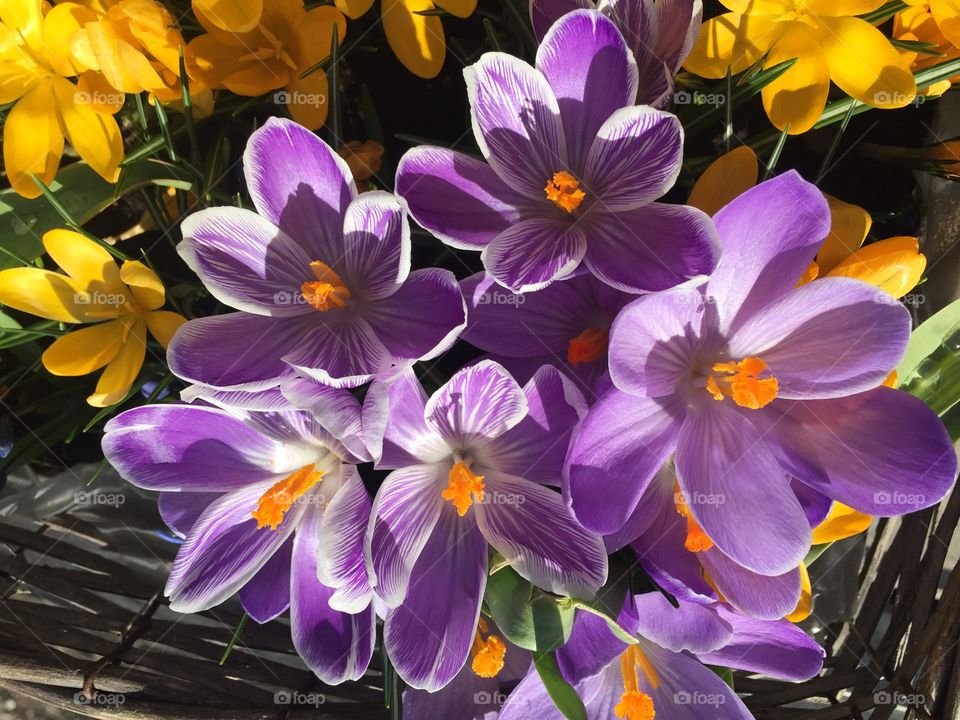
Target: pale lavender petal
530, 699
188, 448
622, 442
267, 400
534, 531
429, 636
657, 500
334, 409
466, 697
533, 253
422, 318
267, 595
592, 74
301, 185
634, 159
341, 350
592, 646
341, 565
516, 122
544, 13
882, 452
180, 510
336, 645
678, 23
478, 403
654, 247
245, 261
829, 338
770, 234
727, 473
405, 512
376, 246
760, 596
458, 198
690, 626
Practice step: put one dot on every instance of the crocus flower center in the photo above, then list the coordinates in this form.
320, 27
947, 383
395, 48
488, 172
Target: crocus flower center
587, 346
741, 380
272, 49
697, 540
487, 653
327, 291
275, 502
462, 483
563, 190
636, 705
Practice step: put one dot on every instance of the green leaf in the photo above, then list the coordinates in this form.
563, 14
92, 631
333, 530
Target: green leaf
540, 624
724, 673
82, 193
927, 338
815, 552
560, 691
884, 12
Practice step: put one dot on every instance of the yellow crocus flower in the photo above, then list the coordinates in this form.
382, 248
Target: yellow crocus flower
35, 64
936, 22
231, 15
828, 42
286, 42
119, 303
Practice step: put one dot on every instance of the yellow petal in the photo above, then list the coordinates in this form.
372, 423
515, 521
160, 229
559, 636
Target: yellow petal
460, 8
211, 60
947, 15
25, 17
892, 379
838, 8
163, 325
810, 274
94, 90
732, 40
82, 259
59, 26
864, 64
313, 35
95, 136
416, 40
116, 380
155, 29
82, 351
849, 225
258, 78
805, 604
894, 265
307, 100
17, 76
757, 7
841, 522
33, 140
231, 15
797, 97
82, 52
728, 177
353, 8
123, 65
147, 288
43, 293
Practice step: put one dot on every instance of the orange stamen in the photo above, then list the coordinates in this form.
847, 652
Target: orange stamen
745, 386
634, 704
328, 291
275, 502
587, 346
697, 540
563, 190
461, 483
487, 654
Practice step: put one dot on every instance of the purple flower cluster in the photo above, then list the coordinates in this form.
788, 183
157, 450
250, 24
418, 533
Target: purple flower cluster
657, 380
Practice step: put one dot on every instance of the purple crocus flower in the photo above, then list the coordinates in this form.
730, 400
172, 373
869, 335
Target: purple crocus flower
663, 674
319, 276
754, 381
472, 464
659, 33
571, 174
565, 325
270, 505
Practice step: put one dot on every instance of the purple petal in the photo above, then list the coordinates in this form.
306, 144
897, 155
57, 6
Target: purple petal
516, 122
828, 338
657, 500
590, 648
267, 595
534, 531
268, 400
770, 234
622, 442
816, 505
544, 13
656, 340
422, 318
191, 448
458, 198
466, 697
336, 645
376, 246
774, 648
249, 348
336, 410
634, 159
224, 550
691, 626
478, 403
530, 700
592, 74
429, 636
533, 253
299, 184
882, 452
180, 510
651, 248
678, 24
245, 261
727, 473
341, 564
341, 350
405, 512
760, 596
